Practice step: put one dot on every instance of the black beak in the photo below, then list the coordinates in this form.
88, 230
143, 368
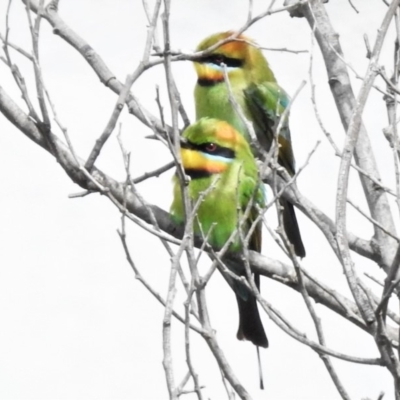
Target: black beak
185, 144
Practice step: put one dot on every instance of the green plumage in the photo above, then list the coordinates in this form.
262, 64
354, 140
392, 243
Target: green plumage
233, 189
232, 169
256, 91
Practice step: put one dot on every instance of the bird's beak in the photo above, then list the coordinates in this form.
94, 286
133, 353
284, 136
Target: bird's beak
186, 144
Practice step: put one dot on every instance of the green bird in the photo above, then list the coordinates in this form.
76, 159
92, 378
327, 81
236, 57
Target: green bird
214, 153
262, 100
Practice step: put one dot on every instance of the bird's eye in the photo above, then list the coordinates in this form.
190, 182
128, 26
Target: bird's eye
211, 147
218, 59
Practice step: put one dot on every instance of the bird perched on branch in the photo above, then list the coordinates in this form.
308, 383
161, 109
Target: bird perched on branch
255, 90
222, 168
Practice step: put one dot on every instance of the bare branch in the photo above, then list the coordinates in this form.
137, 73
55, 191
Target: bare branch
156, 173
376, 223
262, 264
16, 48
140, 278
108, 130
341, 89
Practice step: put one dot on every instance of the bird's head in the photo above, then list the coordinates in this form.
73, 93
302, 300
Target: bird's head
243, 61
211, 146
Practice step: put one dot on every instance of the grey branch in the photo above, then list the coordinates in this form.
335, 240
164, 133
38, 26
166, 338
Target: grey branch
265, 266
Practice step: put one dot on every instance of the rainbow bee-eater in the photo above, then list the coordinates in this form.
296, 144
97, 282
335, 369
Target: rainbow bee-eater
214, 154
262, 100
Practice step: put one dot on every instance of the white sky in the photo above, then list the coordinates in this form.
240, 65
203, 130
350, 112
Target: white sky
75, 324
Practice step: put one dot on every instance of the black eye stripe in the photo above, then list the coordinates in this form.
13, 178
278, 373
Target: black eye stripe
219, 59
197, 173
218, 151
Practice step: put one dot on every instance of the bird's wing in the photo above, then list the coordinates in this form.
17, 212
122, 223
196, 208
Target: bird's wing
246, 194
255, 192
266, 103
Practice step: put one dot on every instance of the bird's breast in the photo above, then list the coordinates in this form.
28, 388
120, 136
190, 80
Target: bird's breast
213, 102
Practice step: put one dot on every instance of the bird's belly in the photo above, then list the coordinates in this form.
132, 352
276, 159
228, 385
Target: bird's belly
218, 216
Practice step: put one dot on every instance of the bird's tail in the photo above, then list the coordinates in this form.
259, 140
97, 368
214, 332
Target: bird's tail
250, 325
292, 228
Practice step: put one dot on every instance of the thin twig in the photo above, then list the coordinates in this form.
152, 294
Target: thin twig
142, 280
341, 197
374, 222
314, 316
189, 361
155, 173
353, 6
17, 48
112, 122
